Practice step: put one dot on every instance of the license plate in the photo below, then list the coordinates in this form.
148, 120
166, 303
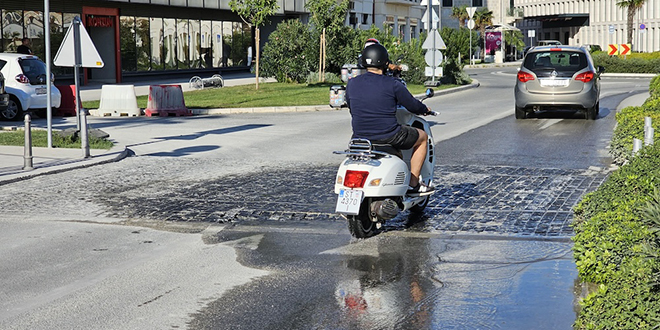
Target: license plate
348, 201
553, 82
41, 90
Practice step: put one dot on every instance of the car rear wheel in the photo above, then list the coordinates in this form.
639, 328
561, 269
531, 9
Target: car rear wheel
520, 113
13, 111
592, 113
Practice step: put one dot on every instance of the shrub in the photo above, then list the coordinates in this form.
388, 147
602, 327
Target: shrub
286, 55
617, 226
629, 64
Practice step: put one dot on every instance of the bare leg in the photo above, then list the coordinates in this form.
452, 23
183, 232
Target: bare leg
418, 156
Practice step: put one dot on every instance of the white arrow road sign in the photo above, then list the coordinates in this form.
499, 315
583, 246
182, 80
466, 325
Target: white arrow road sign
429, 42
426, 3
66, 55
425, 18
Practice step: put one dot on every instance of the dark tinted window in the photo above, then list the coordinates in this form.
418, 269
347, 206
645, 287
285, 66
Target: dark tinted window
35, 70
558, 60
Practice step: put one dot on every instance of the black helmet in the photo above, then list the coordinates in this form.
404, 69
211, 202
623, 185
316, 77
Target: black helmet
375, 56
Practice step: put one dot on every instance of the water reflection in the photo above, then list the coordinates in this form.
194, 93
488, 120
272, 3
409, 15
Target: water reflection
389, 291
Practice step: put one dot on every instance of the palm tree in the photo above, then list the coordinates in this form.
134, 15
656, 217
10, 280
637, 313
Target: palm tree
461, 14
633, 6
483, 18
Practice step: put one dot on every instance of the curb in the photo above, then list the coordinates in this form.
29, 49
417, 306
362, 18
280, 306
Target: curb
74, 164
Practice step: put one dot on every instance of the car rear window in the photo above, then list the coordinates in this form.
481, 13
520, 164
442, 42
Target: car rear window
561, 61
34, 69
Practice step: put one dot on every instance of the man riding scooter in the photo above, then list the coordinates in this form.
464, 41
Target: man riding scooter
372, 98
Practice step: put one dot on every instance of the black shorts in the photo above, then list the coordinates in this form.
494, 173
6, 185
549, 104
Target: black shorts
404, 139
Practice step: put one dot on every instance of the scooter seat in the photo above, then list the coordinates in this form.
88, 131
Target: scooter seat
388, 148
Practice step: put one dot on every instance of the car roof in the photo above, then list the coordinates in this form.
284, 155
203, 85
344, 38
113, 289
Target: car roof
13, 56
556, 47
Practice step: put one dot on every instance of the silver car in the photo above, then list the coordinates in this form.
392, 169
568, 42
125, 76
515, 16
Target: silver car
558, 78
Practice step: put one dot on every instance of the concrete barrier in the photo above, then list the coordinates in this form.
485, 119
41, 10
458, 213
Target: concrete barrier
118, 101
68, 104
166, 100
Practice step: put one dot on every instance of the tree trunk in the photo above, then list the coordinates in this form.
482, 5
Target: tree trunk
631, 17
256, 65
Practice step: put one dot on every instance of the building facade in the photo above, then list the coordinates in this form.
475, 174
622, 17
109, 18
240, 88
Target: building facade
138, 36
597, 22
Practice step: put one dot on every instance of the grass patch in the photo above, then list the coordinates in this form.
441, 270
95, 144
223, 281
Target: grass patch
40, 139
268, 95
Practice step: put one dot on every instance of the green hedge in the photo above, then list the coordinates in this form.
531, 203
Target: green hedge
616, 243
633, 63
630, 123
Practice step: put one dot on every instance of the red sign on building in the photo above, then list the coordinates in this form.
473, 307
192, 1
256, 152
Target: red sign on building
100, 21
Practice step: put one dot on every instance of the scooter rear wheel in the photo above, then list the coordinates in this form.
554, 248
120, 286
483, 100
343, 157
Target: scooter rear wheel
361, 226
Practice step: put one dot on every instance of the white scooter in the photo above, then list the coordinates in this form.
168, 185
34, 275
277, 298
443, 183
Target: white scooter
372, 182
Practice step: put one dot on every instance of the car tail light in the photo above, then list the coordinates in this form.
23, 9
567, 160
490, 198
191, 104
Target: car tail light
23, 79
355, 179
525, 76
585, 76
555, 49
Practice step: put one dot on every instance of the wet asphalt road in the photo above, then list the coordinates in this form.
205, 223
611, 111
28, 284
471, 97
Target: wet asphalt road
491, 251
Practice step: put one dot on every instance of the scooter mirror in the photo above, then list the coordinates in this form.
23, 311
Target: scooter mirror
429, 92
404, 67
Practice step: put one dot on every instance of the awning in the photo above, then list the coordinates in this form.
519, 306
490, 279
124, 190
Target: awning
500, 28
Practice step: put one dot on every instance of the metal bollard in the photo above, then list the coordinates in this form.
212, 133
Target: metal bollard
649, 131
84, 139
27, 155
649, 134
637, 146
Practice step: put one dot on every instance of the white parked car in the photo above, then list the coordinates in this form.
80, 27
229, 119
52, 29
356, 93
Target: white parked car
25, 82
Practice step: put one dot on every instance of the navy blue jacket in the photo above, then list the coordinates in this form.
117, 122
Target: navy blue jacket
372, 100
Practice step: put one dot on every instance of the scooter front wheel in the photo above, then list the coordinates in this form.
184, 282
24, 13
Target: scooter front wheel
361, 225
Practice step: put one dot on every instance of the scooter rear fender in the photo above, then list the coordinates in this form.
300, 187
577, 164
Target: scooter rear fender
393, 172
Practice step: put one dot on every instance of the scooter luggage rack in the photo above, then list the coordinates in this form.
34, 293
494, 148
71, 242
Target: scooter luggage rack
361, 149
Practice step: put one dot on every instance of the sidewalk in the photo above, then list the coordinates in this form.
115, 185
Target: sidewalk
56, 160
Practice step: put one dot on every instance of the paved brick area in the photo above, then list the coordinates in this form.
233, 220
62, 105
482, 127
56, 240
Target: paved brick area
470, 199
509, 200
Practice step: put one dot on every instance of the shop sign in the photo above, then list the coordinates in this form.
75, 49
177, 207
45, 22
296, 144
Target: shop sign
100, 21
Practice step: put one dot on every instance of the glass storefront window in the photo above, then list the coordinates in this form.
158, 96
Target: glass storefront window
169, 43
226, 44
182, 44
12, 29
34, 28
216, 43
239, 45
205, 42
156, 37
195, 44
127, 41
142, 43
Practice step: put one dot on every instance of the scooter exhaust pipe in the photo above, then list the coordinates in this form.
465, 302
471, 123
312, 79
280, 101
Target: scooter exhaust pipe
384, 209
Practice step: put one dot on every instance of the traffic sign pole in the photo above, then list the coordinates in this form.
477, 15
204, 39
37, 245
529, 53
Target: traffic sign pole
49, 90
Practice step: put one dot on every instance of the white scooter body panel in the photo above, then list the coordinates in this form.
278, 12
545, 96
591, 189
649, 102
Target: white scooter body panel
392, 171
